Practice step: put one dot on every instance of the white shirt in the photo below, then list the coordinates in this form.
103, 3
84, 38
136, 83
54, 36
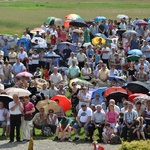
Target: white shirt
27, 36
2, 111
35, 61
16, 111
72, 59
84, 114
81, 57
105, 55
22, 55
55, 78
84, 97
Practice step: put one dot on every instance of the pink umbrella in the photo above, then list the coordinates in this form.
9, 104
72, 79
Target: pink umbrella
142, 23
24, 74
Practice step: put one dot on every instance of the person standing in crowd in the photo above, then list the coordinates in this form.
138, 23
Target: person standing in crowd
6, 49
27, 118
98, 122
16, 110
134, 43
71, 58
12, 56
35, 60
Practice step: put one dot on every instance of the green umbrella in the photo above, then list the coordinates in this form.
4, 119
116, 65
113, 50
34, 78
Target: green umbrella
49, 19
133, 58
108, 41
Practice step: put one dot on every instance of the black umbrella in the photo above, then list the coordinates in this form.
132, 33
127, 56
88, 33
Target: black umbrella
52, 56
5, 99
117, 96
120, 31
138, 87
78, 23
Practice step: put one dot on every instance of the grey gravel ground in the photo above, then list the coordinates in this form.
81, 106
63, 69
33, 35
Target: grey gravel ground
51, 145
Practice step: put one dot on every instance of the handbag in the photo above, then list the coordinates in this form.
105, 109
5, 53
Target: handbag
27, 117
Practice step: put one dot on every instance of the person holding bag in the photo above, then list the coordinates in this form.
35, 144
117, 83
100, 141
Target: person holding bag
27, 118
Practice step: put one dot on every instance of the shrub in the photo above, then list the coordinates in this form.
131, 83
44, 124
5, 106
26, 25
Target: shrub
135, 145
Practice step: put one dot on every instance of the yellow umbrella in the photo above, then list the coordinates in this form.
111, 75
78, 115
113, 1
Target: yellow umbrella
98, 41
48, 104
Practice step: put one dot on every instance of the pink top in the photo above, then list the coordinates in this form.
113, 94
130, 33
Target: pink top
29, 107
111, 116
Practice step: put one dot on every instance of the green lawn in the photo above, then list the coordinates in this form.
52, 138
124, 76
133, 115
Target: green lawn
16, 15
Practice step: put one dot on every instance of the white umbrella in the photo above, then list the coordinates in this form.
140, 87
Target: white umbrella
87, 44
41, 42
19, 91
129, 33
120, 16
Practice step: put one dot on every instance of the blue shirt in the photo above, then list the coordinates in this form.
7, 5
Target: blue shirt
97, 58
113, 73
134, 44
6, 49
147, 54
97, 102
18, 67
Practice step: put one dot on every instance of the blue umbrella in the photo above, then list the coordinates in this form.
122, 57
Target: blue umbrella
100, 35
62, 46
99, 91
136, 21
26, 43
52, 56
110, 78
148, 39
99, 18
135, 52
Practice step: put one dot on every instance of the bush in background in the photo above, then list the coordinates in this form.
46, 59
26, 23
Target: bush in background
135, 145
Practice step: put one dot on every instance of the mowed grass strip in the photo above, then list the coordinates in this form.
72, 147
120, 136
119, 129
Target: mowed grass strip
16, 15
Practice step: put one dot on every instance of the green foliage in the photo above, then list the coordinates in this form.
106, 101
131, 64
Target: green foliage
135, 145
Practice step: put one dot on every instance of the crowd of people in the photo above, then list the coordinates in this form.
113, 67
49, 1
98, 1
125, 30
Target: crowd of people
93, 63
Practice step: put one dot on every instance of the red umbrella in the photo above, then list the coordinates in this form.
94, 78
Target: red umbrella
142, 23
114, 89
67, 23
64, 102
24, 74
132, 96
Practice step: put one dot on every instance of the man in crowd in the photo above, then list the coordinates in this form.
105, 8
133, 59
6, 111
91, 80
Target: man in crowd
97, 100
16, 110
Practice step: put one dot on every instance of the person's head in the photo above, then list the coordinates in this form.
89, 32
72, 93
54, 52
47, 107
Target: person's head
55, 70
104, 66
52, 85
107, 126
141, 68
51, 111
26, 99
121, 114
138, 105
15, 98
84, 107
125, 104
81, 50
74, 84
92, 106
84, 90
98, 108
38, 69
44, 86
67, 46
130, 107
50, 49
72, 54
41, 111
111, 107
1, 105
86, 65
73, 62
21, 49
35, 51
97, 96
112, 101
61, 86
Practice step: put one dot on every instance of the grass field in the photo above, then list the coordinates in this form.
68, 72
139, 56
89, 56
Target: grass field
16, 15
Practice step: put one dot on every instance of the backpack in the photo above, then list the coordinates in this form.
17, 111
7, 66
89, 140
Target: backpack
115, 140
46, 131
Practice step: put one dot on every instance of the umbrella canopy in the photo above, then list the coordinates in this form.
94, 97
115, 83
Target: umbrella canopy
142, 23
141, 98
129, 33
99, 91
56, 21
87, 44
47, 105
135, 52
10, 39
138, 87
133, 96
63, 101
40, 82
39, 41
5, 99
67, 23
80, 82
73, 17
136, 21
132, 58
4, 91
19, 91
100, 35
49, 19
117, 96
98, 40
77, 31
114, 89
40, 30
120, 31
26, 43
52, 56
99, 18
78, 23
24, 74
117, 78
62, 46
148, 39
120, 16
